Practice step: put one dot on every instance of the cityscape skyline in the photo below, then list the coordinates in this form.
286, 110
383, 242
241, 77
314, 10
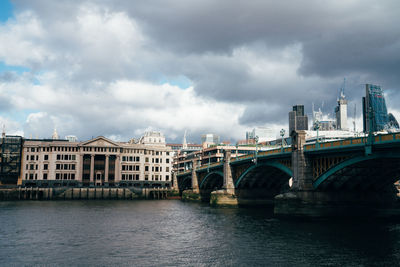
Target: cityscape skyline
117, 69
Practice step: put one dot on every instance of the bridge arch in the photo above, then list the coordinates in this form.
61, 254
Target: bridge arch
275, 165
366, 171
185, 182
206, 180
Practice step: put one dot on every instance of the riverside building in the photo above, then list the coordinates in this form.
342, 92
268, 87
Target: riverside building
97, 162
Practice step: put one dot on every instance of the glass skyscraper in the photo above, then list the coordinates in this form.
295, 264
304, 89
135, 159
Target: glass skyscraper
375, 113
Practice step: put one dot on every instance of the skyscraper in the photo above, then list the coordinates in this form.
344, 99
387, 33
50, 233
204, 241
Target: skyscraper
297, 119
375, 113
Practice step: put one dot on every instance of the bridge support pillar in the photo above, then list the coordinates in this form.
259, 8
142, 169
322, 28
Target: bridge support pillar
302, 187
194, 193
226, 196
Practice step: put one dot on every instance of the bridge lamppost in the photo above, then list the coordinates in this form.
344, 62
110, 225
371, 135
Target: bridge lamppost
282, 135
316, 127
256, 139
237, 149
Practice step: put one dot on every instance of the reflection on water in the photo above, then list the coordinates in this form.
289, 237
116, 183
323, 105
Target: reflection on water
170, 233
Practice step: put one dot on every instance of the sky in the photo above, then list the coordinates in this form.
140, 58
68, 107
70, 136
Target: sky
118, 68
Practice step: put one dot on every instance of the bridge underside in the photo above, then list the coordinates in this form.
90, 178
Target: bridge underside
262, 182
212, 182
376, 175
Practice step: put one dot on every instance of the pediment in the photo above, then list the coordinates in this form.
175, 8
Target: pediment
100, 141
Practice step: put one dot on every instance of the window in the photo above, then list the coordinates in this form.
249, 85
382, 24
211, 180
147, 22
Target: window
44, 176
32, 149
73, 157
32, 157
27, 157
156, 160
167, 153
58, 157
156, 169
167, 169
31, 176
130, 167
123, 176
65, 166
37, 157
32, 166
65, 176
45, 166
146, 159
137, 167
146, 168
123, 158
72, 176
167, 177
46, 157
58, 166
146, 177
137, 159
57, 176
72, 166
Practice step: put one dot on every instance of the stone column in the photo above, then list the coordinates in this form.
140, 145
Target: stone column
92, 169
195, 182
175, 181
81, 167
301, 165
117, 170
228, 180
106, 170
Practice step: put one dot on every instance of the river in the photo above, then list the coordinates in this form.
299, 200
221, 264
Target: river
175, 233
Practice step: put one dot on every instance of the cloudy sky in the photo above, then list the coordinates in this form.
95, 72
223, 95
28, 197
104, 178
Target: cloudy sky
116, 68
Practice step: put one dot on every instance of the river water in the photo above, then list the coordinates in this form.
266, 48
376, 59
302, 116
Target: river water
175, 233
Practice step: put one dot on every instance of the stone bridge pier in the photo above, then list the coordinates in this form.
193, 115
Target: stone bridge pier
225, 196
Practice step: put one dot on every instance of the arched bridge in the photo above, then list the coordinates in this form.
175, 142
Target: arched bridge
353, 167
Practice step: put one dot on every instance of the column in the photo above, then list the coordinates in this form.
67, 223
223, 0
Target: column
117, 171
228, 180
92, 169
195, 182
301, 165
106, 170
80, 167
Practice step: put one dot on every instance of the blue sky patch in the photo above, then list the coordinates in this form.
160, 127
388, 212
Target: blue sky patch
181, 81
17, 69
6, 10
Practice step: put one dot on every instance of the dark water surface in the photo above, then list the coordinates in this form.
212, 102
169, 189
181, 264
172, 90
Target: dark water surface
174, 233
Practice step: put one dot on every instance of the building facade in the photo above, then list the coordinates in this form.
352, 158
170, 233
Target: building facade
297, 119
97, 162
375, 115
10, 159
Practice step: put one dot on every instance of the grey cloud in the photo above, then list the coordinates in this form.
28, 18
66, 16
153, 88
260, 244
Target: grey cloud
358, 40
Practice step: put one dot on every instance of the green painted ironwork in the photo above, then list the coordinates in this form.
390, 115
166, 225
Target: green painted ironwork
209, 175
352, 161
274, 164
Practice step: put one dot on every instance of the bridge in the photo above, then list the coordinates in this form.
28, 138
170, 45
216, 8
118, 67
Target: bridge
354, 175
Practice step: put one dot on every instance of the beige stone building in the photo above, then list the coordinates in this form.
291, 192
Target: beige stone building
97, 162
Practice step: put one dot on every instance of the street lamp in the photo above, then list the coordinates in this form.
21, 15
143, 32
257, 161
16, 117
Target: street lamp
282, 135
237, 149
256, 139
316, 127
